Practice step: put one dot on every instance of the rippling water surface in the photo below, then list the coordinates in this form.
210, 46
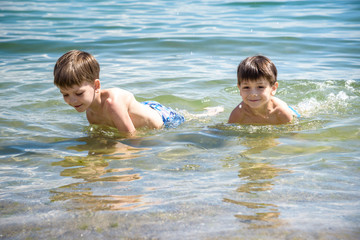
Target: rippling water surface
61, 178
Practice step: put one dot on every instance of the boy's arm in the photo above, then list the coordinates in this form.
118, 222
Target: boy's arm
284, 114
120, 115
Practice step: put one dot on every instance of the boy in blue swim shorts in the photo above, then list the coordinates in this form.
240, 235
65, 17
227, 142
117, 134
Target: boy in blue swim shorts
76, 74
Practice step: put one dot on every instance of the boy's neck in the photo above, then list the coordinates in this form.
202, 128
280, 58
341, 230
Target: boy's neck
96, 106
262, 111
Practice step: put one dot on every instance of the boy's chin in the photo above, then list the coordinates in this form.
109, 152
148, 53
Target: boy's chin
254, 104
80, 109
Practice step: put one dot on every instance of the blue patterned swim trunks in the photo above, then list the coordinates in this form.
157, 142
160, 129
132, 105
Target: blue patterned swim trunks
170, 118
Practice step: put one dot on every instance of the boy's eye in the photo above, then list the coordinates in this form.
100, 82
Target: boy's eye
79, 94
245, 87
65, 95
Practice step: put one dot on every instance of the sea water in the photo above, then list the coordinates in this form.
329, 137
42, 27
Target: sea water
61, 178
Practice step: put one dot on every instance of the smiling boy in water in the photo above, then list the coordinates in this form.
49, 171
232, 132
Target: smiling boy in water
76, 74
257, 82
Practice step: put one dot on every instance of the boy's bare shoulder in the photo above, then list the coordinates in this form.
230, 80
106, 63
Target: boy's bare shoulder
118, 92
237, 115
283, 112
117, 96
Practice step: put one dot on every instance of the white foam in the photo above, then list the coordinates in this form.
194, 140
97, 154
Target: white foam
333, 103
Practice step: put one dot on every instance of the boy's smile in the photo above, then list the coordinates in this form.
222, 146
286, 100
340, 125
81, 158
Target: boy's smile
257, 93
78, 106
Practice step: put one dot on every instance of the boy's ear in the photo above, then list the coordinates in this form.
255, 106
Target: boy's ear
274, 88
97, 84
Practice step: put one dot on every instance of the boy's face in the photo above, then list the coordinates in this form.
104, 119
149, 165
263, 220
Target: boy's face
79, 97
257, 93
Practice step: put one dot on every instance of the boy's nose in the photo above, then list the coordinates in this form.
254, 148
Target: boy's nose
72, 100
253, 93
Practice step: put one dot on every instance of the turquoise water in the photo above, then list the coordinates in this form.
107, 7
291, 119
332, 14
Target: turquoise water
61, 178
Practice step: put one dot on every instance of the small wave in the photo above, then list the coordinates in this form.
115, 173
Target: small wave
334, 104
321, 97
209, 112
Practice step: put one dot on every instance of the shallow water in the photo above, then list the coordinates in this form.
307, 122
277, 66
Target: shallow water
61, 178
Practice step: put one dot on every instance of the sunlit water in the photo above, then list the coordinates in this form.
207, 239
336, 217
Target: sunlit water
61, 178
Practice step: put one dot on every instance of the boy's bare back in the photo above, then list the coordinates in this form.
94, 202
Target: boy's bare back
119, 108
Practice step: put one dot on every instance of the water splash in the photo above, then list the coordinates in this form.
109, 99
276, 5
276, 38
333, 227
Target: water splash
333, 104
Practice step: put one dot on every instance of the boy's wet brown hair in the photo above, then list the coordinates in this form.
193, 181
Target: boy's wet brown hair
256, 67
75, 67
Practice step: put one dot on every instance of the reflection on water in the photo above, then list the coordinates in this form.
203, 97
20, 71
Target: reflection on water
93, 169
270, 217
257, 177
256, 145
